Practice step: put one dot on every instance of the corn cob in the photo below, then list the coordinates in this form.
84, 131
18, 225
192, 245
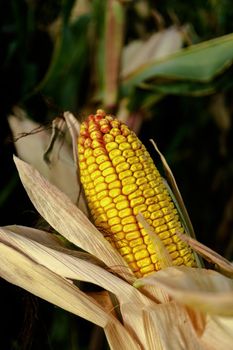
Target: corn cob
120, 180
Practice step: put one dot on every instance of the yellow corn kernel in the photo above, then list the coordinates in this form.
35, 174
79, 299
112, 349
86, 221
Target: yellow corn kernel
120, 180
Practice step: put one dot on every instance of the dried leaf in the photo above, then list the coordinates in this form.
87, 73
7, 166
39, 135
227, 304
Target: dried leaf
201, 289
18, 269
69, 265
32, 142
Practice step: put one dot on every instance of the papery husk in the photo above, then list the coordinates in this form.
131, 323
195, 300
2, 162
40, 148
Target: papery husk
56, 208
32, 141
204, 290
70, 264
20, 270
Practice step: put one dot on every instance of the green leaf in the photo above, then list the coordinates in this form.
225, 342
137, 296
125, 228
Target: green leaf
197, 63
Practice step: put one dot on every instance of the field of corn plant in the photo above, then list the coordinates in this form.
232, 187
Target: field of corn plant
116, 180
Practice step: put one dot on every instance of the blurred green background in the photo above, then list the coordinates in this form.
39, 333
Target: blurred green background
165, 68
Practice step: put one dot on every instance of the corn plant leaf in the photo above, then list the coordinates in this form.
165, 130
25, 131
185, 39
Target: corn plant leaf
192, 64
159, 45
68, 220
201, 289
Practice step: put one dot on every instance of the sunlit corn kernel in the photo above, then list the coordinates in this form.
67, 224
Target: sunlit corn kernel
143, 262
164, 235
101, 218
128, 153
91, 160
111, 146
102, 194
81, 149
177, 230
98, 180
119, 198
152, 208
142, 183
178, 261
135, 243
111, 213
101, 187
124, 146
147, 270
97, 143
154, 258
150, 247
132, 160
135, 194
148, 193
122, 205
120, 139
114, 220
117, 160
91, 168
136, 145
151, 177
139, 209
157, 214
132, 235
161, 228
158, 222
87, 142
122, 167
82, 166
125, 174
125, 250
115, 192
101, 159
184, 251
171, 248
128, 180
120, 236
167, 241
128, 189
136, 201
109, 206
114, 132
130, 227
120, 244
108, 138
114, 184
108, 171
152, 200
128, 220
105, 201
114, 153
173, 223
136, 167
110, 178
88, 152
131, 138
129, 258
174, 255
116, 228
125, 212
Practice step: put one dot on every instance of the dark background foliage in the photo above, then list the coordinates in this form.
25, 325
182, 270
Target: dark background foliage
47, 68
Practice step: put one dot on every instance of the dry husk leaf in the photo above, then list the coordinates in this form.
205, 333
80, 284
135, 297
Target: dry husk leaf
201, 289
20, 270
31, 145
